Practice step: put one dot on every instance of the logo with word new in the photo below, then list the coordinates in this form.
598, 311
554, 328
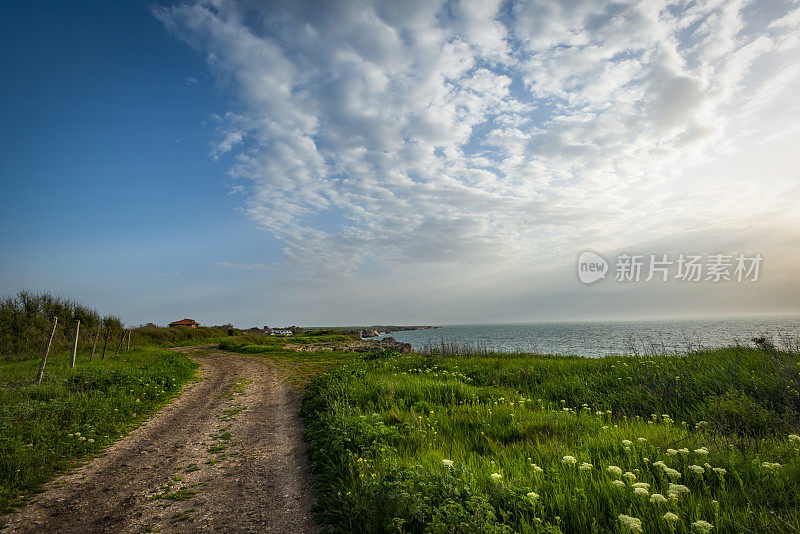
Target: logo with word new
591, 267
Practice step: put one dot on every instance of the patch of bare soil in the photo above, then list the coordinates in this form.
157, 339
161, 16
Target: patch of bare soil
228, 456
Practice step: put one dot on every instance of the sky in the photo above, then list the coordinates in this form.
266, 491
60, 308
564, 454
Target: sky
417, 162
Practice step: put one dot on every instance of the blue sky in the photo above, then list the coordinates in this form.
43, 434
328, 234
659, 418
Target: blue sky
375, 162
110, 186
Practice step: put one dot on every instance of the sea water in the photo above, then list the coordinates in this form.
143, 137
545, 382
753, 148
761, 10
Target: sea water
600, 338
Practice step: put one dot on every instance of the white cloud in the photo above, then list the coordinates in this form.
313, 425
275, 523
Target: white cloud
430, 133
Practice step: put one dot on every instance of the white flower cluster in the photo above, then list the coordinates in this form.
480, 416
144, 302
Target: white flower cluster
675, 490
657, 498
614, 470
702, 527
633, 524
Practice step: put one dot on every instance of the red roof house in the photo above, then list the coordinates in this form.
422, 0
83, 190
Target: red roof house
191, 323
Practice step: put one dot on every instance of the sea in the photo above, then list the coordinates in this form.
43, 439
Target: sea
600, 338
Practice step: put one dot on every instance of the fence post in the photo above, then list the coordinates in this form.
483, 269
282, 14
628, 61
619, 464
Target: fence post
40, 374
75, 345
108, 336
121, 339
129, 340
94, 344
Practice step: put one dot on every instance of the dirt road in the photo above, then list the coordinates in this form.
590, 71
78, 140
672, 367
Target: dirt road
226, 456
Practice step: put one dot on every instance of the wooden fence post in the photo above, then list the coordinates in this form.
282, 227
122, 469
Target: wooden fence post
75, 345
108, 336
129, 340
40, 374
121, 339
94, 345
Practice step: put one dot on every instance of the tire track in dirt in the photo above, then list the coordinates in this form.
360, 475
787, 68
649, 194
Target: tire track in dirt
228, 456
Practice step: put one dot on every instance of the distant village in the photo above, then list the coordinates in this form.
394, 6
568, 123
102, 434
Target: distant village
267, 331
362, 333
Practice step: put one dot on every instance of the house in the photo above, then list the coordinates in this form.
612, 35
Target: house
280, 332
191, 323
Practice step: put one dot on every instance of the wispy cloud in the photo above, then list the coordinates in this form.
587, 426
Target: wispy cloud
475, 132
243, 266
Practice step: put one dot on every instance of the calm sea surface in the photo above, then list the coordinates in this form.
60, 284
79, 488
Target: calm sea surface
594, 339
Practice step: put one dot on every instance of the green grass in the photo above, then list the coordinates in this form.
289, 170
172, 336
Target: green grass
261, 344
48, 427
382, 432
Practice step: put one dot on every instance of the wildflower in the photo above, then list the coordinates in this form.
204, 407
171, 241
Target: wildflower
447, 463
720, 471
536, 468
683, 450
677, 489
631, 523
630, 476
794, 438
496, 477
91, 440
644, 485
671, 473
697, 469
702, 450
660, 464
702, 527
671, 452
770, 465
641, 440
533, 496
605, 427
671, 518
614, 470
640, 491
569, 460
619, 483
627, 442
657, 498
586, 466
645, 460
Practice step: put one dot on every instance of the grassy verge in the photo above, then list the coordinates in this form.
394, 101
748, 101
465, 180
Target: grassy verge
298, 367
705, 442
73, 413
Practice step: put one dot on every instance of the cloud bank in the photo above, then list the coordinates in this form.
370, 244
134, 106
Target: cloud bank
389, 135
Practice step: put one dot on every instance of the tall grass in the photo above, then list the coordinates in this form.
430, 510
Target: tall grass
431, 443
25, 320
175, 336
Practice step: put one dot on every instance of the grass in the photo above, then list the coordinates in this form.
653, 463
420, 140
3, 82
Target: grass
73, 413
514, 443
298, 367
